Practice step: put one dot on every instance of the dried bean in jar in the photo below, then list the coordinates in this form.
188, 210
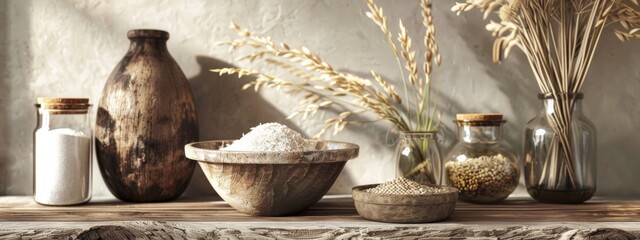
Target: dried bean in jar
483, 179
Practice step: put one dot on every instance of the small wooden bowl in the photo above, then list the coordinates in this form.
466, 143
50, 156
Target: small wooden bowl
404, 208
272, 183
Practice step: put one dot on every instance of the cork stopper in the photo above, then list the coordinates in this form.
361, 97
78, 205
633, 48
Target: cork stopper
469, 117
480, 119
63, 104
47, 100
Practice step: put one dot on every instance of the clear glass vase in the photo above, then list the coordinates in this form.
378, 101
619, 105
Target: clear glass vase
560, 151
418, 157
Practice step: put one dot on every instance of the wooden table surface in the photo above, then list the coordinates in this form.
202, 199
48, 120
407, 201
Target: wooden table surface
330, 209
332, 218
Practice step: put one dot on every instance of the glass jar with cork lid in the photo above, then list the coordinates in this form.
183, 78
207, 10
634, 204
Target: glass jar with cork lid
62, 151
481, 164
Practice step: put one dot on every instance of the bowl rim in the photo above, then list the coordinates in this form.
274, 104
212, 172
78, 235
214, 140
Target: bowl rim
348, 151
358, 194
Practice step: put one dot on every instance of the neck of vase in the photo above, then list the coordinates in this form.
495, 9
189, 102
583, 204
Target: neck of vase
562, 103
419, 135
148, 45
148, 41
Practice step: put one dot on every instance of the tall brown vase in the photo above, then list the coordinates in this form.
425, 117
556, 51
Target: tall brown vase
145, 117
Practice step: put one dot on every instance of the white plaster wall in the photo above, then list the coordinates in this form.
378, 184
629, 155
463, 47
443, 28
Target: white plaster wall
68, 48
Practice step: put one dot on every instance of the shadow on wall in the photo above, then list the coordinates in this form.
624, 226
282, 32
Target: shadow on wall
611, 102
513, 79
15, 99
4, 93
225, 111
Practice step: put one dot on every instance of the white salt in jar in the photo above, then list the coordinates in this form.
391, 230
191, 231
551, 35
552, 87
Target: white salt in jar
62, 152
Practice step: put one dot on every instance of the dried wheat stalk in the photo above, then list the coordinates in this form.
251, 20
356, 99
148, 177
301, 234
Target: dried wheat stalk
559, 38
322, 87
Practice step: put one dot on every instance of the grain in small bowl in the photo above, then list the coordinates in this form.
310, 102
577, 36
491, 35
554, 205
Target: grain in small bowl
401, 201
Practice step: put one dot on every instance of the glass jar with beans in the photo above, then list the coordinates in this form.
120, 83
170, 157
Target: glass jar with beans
481, 164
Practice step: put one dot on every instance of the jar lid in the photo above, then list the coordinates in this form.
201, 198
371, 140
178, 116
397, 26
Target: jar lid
63, 103
47, 100
480, 119
471, 117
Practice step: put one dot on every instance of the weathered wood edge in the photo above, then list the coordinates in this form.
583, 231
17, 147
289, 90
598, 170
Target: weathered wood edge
203, 230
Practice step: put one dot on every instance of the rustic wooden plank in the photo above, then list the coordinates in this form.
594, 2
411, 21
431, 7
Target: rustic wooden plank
327, 210
189, 230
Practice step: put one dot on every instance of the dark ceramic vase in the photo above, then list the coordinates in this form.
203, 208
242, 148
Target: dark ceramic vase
145, 117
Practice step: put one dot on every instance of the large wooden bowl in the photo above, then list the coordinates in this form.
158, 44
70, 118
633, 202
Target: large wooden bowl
272, 183
404, 208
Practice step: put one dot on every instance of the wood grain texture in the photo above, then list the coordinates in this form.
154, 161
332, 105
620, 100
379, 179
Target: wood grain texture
331, 209
272, 183
173, 230
145, 117
404, 208
272, 189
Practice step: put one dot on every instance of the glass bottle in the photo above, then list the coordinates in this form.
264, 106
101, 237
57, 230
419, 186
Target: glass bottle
418, 157
62, 151
560, 158
483, 167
